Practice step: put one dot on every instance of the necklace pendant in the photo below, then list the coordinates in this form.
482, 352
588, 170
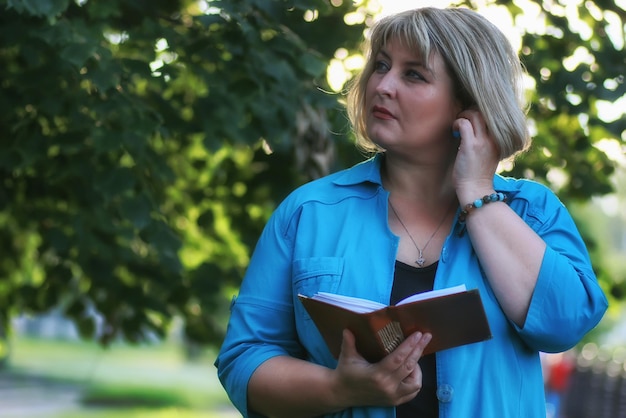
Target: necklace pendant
420, 259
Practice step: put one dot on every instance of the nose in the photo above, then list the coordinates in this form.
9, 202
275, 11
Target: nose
386, 85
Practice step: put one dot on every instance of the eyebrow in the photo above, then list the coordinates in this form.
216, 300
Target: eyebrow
416, 63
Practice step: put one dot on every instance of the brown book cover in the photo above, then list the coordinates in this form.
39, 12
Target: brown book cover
453, 320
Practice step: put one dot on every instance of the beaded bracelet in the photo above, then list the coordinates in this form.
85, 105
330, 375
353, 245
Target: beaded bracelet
488, 198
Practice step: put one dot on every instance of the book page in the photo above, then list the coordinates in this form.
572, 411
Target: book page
361, 305
354, 304
433, 294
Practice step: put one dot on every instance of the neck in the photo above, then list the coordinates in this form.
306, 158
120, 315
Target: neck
427, 183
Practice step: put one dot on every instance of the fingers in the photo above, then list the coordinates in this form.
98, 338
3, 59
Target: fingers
394, 380
348, 342
477, 157
464, 128
408, 372
426, 338
403, 360
475, 135
348, 348
471, 125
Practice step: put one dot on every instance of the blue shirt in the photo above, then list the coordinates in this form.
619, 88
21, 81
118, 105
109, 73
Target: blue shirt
332, 235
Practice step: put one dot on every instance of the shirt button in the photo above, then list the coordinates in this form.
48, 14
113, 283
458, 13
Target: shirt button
445, 393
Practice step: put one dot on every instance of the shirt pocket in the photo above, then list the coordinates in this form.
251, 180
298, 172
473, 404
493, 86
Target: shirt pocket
317, 274
311, 275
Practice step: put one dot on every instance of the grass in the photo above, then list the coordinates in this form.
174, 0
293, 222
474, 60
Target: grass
125, 381
122, 396
144, 413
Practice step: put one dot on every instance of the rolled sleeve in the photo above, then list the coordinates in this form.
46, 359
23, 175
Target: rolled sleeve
251, 340
567, 301
566, 304
262, 323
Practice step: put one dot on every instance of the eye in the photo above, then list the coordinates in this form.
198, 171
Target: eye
414, 75
381, 66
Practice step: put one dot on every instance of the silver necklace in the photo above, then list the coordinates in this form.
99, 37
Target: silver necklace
420, 258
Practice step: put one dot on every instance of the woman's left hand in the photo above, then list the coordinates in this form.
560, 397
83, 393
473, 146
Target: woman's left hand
477, 157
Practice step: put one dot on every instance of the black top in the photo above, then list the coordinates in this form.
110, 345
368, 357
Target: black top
409, 280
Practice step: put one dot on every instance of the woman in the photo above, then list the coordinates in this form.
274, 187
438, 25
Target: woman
439, 104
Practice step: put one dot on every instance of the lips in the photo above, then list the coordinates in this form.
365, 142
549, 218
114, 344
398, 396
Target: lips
382, 113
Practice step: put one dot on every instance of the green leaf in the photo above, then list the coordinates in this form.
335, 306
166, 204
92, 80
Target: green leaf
137, 210
46, 8
77, 54
313, 65
116, 182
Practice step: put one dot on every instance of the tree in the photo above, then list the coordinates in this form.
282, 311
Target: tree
135, 166
144, 144
576, 66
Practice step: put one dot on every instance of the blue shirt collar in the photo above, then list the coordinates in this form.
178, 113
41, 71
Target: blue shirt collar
368, 171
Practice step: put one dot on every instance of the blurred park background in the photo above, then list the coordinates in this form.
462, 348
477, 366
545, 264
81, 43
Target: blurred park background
144, 143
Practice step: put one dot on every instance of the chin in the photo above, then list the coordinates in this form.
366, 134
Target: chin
381, 140
378, 136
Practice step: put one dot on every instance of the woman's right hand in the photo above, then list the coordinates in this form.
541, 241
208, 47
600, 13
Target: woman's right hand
394, 380
285, 386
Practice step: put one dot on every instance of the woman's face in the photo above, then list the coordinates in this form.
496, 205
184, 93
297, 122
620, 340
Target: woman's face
409, 103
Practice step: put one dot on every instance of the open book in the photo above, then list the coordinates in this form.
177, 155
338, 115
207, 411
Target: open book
454, 316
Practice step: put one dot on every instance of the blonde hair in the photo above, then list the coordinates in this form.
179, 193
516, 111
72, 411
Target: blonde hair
485, 69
